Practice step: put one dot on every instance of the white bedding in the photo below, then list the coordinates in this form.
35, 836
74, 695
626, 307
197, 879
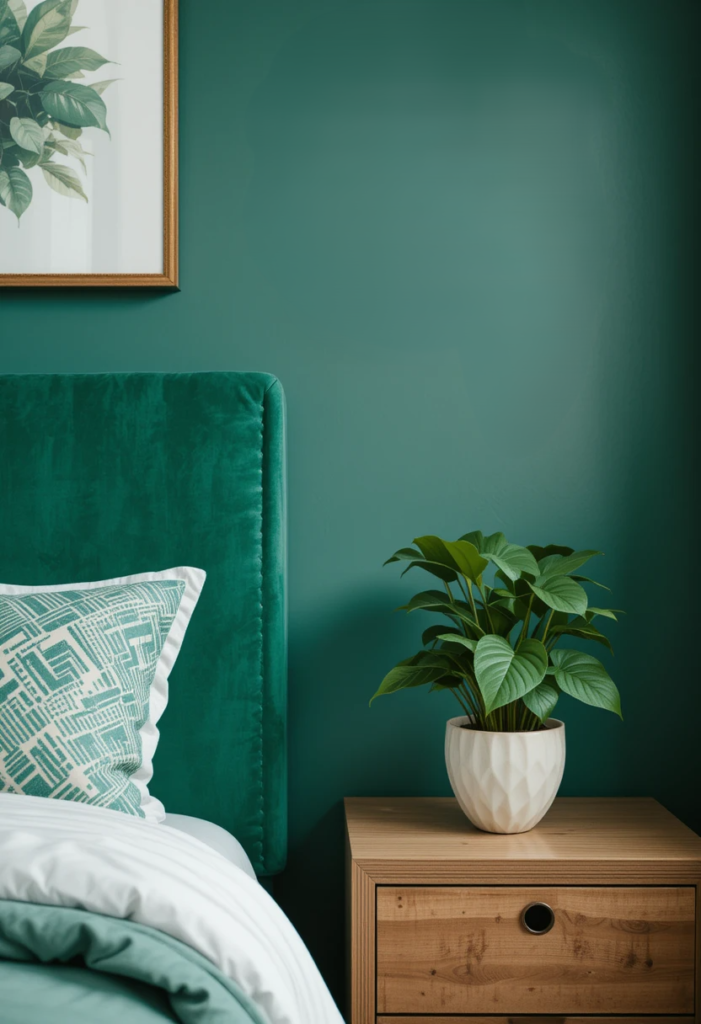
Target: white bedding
216, 837
68, 854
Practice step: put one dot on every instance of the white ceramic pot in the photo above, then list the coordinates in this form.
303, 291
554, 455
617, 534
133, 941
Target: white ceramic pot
505, 781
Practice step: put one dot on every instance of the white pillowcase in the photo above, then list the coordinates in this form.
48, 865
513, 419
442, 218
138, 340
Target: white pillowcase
152, 808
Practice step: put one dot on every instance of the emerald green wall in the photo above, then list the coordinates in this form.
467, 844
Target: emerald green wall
462, 235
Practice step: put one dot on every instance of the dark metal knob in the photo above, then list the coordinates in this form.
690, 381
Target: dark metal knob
538, 918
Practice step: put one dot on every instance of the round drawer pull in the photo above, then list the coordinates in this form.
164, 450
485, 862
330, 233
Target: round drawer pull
538, 918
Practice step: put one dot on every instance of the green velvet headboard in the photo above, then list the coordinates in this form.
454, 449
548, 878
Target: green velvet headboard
115, 474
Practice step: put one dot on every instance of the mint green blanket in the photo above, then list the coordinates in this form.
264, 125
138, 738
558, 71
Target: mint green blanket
73, 967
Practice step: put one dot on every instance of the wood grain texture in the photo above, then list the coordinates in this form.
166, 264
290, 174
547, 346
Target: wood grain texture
580, 841
535, 1020
630, 843
697, 1007
465, 950
360, 920
169, 278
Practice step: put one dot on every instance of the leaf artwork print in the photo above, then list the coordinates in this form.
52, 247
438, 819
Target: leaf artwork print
45, 102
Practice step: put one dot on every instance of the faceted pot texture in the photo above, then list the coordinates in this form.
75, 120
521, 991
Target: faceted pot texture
505, 781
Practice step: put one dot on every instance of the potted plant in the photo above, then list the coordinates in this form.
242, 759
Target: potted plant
500, 657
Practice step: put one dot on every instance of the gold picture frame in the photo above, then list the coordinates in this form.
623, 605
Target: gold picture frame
169, 278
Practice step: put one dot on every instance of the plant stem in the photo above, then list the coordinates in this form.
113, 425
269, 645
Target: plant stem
452, 601
547, 624
459, 699
527, 620
474, 609
532, 722
472, 601
469, 698
462, 588
478, 701
537, 626
486, 606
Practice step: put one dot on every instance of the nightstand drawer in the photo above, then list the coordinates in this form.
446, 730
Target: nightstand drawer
536, 1020
466, 950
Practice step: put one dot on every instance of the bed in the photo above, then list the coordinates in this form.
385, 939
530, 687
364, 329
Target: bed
102, 915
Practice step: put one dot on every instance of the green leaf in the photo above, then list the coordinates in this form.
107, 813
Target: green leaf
70, 133
8, 56
508, 583
403, 555
524, 593
6, 90
586, 579
19, 9
503, 674
502, 618
100, 87
511, 559
445, 683
583, 629
427, 600
457, 638
433, 548
10, 31
416, 559
75, 105
69, 148
539, 552
476, 538
553, 617
27, 158
586, 679
403, 676
64, 63
562, 565
561, 593
608, 613
467, 558
15, 190
37, 64
542, 700
434, 632
435, 601
27, 134
47, 25
441, 571
458, 556
10, 156
515, 608
436, 659
63, 180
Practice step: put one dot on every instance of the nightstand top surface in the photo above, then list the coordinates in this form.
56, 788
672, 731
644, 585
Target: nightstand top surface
574, 829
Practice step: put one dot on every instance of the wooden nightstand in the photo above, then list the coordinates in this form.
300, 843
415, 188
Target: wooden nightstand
436, 915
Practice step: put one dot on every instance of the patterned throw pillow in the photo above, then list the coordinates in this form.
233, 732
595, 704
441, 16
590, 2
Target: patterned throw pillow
76, 668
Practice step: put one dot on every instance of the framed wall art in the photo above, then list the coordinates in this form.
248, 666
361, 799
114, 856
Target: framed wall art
88, 143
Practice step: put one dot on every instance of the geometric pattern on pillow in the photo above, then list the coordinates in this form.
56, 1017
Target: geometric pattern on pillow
76, 667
